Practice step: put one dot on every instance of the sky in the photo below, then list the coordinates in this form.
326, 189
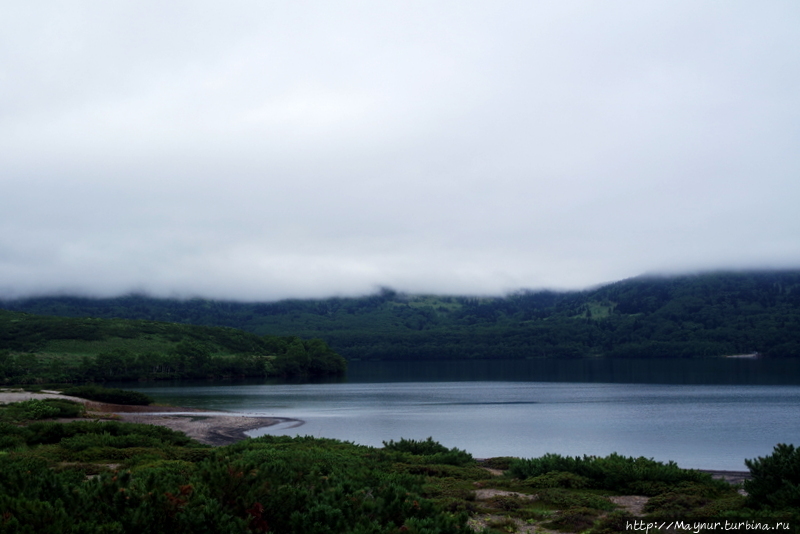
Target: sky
260, 150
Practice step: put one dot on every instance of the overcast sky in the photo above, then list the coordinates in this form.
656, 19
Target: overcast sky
262, 150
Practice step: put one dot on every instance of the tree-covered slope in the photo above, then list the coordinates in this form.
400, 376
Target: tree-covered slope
36, 348
711, 314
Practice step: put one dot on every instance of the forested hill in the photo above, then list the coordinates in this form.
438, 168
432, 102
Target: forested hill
704, 315
35, 348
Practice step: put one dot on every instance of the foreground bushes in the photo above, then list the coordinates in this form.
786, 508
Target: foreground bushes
34, 409
432, 452
269, 484
111, 477
613, 472
776, 479
113, 396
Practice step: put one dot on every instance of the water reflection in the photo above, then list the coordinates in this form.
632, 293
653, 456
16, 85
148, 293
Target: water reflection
626, 371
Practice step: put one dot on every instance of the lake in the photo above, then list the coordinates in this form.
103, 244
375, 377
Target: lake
699, 414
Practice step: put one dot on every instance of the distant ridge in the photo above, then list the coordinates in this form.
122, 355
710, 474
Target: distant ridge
650, 316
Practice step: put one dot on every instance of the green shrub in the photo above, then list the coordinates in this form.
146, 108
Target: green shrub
418, 448
573, 520
30, 410
82, 442
275, 484
775, 479
500, 462
503, 524
51, 433
613, 472
508, 503
12, 436
432, 451
66, 408
674, 503
614, 523
558, 479
561, 498
439, 470
113, 396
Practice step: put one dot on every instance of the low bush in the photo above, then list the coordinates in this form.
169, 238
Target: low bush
34, 409
432, 451
508, 503
428, 447
775, 479
12, 436
558, 479
503, 524
613, 472
614, 523
52, 433
674, 503
561, 498
82, 442
573, 520
66, 408
500, 462
29, 410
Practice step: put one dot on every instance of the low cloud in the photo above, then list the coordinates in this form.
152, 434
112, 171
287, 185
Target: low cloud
260, 150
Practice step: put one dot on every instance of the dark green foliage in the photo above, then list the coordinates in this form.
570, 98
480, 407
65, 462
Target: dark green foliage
113, 396
40, 409
432, 451
499, 462
613, 472
675, 503
30, 409
503, 524
562, 498
35, 349
613, 523
573, 520
507, 503
151, 479
428, 447
691, 316
558, 479
775, 479
271, 484
53, 433
66, 408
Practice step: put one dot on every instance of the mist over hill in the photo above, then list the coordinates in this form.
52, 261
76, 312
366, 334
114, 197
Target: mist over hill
688, 316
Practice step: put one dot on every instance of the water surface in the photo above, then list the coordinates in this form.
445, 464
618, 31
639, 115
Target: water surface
708, 426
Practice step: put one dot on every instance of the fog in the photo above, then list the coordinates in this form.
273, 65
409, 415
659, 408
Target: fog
264, 150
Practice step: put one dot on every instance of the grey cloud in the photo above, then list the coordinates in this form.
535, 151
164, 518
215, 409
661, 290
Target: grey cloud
262, 150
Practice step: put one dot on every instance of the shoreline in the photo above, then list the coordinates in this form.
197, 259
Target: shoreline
212, 428
215, 428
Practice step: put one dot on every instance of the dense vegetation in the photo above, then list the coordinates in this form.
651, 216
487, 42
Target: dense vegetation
110, 395
111, 477
703, 315
57, 349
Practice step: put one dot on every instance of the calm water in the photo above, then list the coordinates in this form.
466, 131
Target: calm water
525, 414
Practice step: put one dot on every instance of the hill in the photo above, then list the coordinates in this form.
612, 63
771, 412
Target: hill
35, 348
702, 315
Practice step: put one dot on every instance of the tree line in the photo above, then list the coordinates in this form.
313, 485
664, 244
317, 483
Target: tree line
703, 315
